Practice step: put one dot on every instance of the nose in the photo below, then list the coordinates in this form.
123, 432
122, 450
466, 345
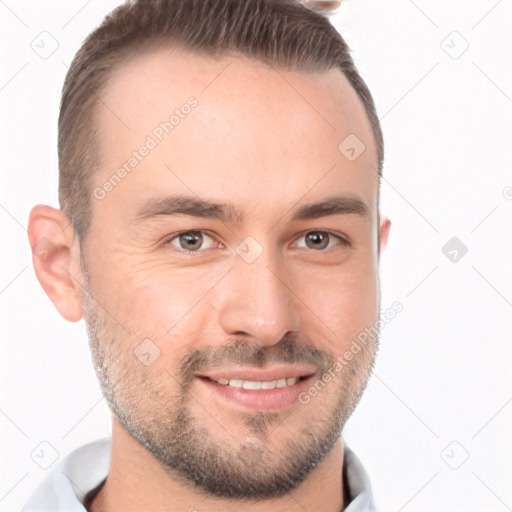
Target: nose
257, 303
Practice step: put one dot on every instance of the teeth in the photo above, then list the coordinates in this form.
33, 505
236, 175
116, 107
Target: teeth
281, 383
249, 384
256, 384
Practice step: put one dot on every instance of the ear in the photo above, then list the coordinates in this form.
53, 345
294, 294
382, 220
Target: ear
384, 229
56, 259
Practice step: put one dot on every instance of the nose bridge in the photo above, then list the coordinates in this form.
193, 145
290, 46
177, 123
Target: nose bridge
256, 300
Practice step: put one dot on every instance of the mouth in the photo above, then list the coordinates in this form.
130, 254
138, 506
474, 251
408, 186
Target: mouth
255, 388
258, 384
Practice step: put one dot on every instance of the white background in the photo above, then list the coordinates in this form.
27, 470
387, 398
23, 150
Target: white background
440, 392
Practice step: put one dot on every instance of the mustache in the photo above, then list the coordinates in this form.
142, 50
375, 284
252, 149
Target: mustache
247, 353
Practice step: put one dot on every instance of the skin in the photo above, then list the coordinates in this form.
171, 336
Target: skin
265, 140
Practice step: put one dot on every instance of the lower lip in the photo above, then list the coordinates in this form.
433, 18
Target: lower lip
263, 399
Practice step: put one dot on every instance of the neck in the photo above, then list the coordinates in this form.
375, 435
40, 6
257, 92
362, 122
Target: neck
136, 481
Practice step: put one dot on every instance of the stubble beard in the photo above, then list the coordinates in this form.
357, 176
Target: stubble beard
247, 467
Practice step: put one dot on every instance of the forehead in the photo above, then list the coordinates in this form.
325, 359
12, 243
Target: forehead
252, 130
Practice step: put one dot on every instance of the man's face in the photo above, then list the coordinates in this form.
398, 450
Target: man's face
253, 293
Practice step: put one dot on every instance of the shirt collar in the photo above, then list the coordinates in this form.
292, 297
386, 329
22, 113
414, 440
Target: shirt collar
356, 484
82, 472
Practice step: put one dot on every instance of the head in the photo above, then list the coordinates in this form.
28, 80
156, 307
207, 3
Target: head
219, 182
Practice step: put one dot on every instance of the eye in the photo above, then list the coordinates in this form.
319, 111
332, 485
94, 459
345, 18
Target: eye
321, 240
193, 241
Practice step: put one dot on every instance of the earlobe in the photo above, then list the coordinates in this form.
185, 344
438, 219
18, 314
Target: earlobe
385, 227
56, 259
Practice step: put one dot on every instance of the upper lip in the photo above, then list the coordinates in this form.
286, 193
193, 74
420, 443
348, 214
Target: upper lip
259, 374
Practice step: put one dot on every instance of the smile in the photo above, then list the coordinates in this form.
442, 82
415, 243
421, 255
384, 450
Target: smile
272, 388
257, 384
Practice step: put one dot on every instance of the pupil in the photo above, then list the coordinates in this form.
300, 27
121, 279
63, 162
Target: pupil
318, 240
191, 240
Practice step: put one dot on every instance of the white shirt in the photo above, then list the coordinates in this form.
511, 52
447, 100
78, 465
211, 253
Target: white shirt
82, 472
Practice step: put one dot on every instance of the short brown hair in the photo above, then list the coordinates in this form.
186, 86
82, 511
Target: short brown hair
280, 32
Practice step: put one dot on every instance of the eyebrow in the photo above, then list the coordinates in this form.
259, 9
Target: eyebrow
228, 213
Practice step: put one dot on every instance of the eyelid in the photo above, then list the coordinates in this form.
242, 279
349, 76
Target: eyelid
166, 241
343, 240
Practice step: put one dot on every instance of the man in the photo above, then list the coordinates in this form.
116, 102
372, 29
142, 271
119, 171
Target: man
220, 234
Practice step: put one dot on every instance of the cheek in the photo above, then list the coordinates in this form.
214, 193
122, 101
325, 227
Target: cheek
165, 302
344, 300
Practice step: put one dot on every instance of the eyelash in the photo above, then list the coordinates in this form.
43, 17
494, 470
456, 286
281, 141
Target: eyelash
341, 240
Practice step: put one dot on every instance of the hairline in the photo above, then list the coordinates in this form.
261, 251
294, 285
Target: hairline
123, 56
